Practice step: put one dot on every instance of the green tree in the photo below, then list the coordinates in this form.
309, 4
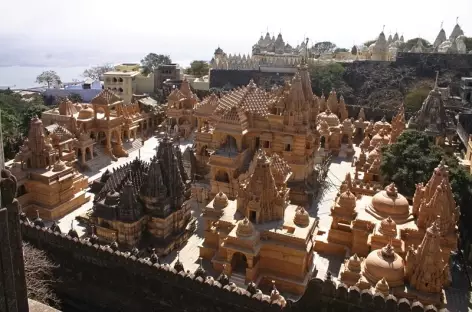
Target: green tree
412, 160
48, 78
323, 47
415, 98
96, 72
369, 42
75, 98
412, 42
198, 68
354, 50
151, 61
325, 77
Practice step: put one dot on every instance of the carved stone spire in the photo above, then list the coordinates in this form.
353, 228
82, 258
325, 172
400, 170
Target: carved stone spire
429, 273
153, 189
297, 98
129, 207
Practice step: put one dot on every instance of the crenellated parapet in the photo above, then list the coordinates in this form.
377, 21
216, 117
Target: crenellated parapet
193, 290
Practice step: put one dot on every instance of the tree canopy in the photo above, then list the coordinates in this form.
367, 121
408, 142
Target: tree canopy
325, 77
96, 72
412, 160
48, 78
198, 68
415, 98
75, 98
151, 61
354, 50
16, 115
323, 47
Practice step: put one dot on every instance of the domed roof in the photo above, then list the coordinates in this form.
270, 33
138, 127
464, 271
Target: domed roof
390, 203
347, 200
302, 218
354, 263
331, 119
381, 138
112, 198
388, 227
244, 228
59, 166
382, 287
221, 201
384, 263
86, 113
218, 51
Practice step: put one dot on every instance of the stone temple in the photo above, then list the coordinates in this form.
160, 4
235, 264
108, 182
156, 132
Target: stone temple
143, 201
260, 235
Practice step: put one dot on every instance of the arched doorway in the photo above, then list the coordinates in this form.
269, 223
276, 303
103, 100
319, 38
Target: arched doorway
239, 263
222, 176
322, 141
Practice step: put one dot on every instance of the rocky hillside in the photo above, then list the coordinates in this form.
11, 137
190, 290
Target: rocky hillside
385, 84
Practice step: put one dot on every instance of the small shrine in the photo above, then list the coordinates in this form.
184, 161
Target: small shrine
259, 235
180, 109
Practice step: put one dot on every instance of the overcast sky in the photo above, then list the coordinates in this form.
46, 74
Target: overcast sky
193, 29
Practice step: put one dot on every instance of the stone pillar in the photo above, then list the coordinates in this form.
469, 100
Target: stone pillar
82, 154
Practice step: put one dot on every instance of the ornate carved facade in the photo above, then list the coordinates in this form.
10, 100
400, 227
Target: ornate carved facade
49, 185
246, 235
146, 201
180, 109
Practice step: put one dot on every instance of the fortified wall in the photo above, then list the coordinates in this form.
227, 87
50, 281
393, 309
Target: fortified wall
109, 280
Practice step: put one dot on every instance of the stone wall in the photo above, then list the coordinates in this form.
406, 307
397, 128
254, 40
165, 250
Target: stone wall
428, 63
95, 278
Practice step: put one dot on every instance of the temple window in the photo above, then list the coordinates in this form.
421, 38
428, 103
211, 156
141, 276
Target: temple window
120, 79
288, 147
266, 144
114, 79
120, 89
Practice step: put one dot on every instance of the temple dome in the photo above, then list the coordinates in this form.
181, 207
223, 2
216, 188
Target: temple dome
380, 138
390, 203
302, 218
384, 263
347, 200
86, 113
354, 263
244, 228
220, 201
382, 287
331, 119
373, 155
59, 166
388, 227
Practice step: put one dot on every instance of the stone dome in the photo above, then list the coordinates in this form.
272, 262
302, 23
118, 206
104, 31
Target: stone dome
347, 200
59, 166
220, 201
354, 263
384, 263
380, 138
86, 113
302, 218
388, 227
382, 287
390, 203
331, 119
244, 228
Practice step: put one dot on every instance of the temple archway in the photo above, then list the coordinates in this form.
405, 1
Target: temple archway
222, 176
239, 263
323, 141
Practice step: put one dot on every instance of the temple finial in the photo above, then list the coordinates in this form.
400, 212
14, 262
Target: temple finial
72, 224
383, 28
457, 20
436, 82
442, 23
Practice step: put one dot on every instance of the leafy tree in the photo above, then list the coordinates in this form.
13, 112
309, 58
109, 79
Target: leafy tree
96, 72
468, 43
48, 78
412, 42
415, 98
323, 47
354, 50
75, 98
31, 111
412, 160
338, 50
151, 61
325, 77
369, 42
198, 68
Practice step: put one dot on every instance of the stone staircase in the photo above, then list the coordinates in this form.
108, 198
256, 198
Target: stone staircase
99, 161
239, 279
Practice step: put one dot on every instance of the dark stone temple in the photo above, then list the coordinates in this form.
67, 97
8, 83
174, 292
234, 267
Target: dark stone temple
145, 202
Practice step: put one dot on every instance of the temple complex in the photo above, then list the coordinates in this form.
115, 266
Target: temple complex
180, 109
47, 185
143, 201
232, 128
77, 128
259, 234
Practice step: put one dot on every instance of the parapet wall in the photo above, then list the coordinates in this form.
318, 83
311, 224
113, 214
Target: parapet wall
96, 278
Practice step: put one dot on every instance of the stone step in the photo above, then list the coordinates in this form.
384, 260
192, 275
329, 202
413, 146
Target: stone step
238, 279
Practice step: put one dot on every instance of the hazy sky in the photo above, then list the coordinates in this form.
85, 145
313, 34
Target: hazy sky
192, 29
